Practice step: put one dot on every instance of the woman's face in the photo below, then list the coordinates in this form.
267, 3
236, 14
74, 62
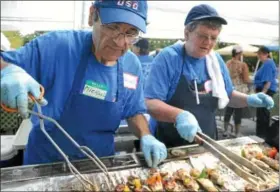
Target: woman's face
201, 41
262, 56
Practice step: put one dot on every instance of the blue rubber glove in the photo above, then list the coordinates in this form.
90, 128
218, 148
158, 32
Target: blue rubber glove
15, 86
154, 151
187, 125
260, 100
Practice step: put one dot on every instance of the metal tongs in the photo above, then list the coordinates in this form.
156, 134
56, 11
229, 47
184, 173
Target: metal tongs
85, 150
230, 159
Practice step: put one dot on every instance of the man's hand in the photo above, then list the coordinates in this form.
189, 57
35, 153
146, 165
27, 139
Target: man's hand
154, 151
15, 86
187, 125
260, 100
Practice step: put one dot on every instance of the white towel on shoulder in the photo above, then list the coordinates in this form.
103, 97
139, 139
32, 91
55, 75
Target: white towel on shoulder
218, 84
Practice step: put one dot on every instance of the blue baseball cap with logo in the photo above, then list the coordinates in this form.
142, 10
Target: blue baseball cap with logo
203, 12
120, 11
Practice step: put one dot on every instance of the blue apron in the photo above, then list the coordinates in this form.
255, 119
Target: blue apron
184, 98
90, 122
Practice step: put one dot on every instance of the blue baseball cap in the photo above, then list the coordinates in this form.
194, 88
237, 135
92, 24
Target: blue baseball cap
203, 12
121, 11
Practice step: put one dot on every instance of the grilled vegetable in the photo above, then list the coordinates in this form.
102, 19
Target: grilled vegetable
169, 182
181, 174
194, 173
189, 183
215, 177
251, 153
207, 185
272, 152
154, 181
134, 182
122, 188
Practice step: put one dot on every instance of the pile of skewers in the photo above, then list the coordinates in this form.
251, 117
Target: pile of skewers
181, 180
195, 178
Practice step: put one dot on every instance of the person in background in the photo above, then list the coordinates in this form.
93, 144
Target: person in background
141, 49
91, 81
239, 74
189, 81
265, 82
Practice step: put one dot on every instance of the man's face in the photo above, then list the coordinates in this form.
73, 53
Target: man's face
113, 40
202, 40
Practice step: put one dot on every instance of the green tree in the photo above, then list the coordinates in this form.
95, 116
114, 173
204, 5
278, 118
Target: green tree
15, 38
30, 37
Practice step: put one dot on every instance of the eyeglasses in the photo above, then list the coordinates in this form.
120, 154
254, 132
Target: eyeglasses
112, 30
204, 37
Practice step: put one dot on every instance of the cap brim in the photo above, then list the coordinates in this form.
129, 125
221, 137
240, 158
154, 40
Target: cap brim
113, 15
222, 20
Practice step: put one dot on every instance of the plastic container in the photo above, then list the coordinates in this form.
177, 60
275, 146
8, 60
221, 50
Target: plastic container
8, 152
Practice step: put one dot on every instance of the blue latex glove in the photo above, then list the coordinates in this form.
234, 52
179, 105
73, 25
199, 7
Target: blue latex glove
187, 125
154, 150
260, 100
15, 86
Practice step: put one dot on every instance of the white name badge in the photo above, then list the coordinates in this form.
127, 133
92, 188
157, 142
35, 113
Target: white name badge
130, 81
95, 90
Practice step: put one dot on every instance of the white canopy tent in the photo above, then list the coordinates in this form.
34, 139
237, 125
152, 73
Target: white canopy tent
248, 50
257, 22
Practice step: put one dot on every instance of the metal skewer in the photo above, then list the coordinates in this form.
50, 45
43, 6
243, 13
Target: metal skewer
85, 150
229, 158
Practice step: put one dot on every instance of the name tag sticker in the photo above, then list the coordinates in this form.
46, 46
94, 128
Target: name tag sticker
96, 90
130, 81
208, 86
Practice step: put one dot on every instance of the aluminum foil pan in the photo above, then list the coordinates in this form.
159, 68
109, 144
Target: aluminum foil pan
70, 183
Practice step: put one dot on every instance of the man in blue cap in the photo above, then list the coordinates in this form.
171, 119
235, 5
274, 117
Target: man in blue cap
91, 82
141, 49
189, 81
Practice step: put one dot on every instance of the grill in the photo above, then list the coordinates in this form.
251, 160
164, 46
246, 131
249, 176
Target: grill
56, 176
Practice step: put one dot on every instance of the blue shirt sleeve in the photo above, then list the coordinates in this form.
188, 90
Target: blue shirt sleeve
228, 83
161, 76
134, 102
31, 58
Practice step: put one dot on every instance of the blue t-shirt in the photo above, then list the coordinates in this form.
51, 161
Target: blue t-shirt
52, 60
266, 73
165, 74
146, 61
167, 67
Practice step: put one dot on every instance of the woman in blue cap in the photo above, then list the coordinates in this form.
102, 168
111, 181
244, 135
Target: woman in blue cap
265, 82
141, 49
188, 82
91, 81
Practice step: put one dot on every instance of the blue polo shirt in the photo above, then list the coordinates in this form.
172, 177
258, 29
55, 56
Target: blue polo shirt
267, 73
